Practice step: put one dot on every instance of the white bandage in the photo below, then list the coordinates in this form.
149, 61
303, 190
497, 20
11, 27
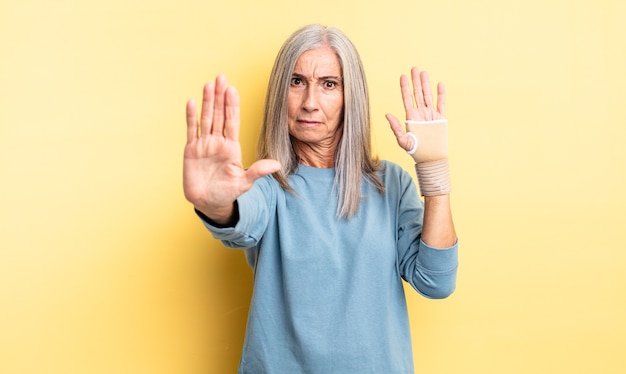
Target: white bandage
414, 148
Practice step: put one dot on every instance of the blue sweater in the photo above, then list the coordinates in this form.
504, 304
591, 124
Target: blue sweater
328, 295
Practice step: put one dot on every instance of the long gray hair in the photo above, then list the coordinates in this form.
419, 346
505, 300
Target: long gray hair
353, 158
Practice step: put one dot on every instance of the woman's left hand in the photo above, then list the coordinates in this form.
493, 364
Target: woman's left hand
418, 104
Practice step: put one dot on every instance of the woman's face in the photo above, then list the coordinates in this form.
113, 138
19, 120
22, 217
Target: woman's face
315, 99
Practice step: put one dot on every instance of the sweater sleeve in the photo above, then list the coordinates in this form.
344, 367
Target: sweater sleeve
430, 271
255, 207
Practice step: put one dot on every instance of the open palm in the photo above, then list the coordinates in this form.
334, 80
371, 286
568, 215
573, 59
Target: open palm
425, 120
213, 175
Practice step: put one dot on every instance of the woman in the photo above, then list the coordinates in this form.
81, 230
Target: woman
329, 230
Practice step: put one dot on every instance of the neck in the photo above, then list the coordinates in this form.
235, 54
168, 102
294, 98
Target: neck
315, 155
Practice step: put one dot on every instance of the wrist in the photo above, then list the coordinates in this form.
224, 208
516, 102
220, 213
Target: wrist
434, 177
222, 216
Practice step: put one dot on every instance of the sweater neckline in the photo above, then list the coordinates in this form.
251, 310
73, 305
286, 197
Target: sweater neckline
310, 171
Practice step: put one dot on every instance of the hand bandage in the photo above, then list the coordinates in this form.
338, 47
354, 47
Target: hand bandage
430, 140
430, 152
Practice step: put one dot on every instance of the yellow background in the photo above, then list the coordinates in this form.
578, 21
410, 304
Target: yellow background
104, 268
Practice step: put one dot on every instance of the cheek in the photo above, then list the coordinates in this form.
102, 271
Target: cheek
337, 109
292, 105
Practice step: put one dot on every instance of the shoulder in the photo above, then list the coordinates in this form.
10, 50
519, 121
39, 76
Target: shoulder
396, 180
390, 171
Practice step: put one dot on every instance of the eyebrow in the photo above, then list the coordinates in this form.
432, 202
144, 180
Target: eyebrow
326, 77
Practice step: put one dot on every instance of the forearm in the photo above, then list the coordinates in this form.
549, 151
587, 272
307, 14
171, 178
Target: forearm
438, 230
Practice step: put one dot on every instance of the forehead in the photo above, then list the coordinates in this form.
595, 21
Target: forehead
322, 61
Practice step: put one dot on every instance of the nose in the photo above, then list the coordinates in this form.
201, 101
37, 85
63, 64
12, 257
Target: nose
310, 100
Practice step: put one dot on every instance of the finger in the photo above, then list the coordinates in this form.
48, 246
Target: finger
426, 91
192, 121
417, 87
206, 113
407, 96
218, 107
262, 168
231, 125
441, 99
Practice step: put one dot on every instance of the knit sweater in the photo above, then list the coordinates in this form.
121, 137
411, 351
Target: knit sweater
328, 295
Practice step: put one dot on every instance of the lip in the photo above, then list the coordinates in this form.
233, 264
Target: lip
308, 122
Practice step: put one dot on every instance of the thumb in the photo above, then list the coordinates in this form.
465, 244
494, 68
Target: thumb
405, 141
262, 168
396, 127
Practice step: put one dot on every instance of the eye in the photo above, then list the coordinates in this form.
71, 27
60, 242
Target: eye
330, 84
295, 81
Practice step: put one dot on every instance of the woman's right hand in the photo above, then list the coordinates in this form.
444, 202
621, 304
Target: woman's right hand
213, 175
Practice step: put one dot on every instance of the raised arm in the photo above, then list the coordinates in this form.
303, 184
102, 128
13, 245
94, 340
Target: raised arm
213, 175
426, 140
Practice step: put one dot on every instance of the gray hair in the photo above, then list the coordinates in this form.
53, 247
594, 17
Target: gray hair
353, 158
